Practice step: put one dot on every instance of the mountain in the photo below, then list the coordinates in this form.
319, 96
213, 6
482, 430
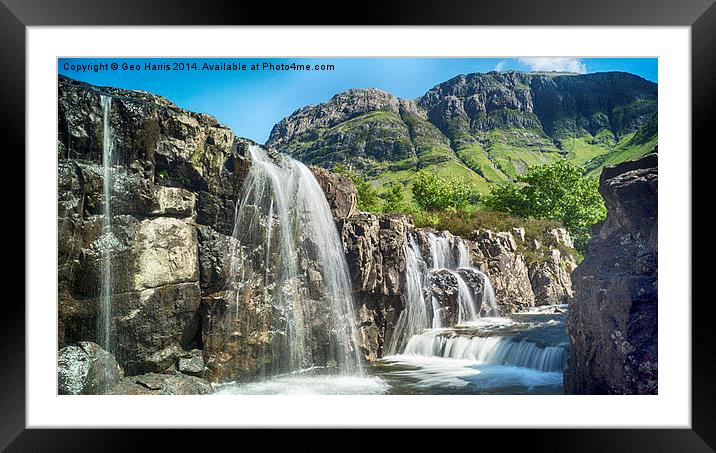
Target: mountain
485, 127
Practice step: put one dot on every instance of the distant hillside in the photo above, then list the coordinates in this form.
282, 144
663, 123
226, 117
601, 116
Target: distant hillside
488, 128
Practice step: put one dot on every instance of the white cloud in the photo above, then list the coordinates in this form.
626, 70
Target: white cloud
555, 64
501, 65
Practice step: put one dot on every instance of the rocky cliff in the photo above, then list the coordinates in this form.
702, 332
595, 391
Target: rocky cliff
485, 127
175, 178
613, 318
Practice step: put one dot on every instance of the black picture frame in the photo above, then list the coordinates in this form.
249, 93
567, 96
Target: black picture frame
700, 15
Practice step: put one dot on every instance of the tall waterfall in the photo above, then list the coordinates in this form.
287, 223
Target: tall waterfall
104, 327
288, 261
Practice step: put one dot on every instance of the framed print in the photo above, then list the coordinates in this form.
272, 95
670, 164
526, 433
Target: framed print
403, 225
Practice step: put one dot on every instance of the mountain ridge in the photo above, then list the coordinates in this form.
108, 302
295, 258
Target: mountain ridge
485, 127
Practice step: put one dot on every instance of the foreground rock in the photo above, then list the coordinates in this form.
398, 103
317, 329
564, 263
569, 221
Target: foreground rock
613, 318
86, 369
162, 384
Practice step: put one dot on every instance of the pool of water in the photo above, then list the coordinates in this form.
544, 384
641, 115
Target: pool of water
516, 355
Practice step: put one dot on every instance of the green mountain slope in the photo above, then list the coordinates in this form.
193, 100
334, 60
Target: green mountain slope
486, 128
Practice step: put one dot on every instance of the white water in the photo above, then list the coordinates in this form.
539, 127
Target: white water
307, 384
287, 249
105, 302
494, 350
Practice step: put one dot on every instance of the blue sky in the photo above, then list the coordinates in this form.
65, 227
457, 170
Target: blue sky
252, 101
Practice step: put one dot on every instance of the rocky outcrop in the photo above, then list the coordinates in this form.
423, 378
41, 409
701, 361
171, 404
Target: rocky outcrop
340, 192
506, 268
374, 252
550, 273
175, 175
613, 318
86, 369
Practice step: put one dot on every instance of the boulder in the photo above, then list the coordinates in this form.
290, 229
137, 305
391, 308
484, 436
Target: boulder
193, 364
162, 384
86, 369
612, 321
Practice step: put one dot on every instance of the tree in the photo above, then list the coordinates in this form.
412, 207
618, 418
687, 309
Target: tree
436, 193
559, 191
394, 199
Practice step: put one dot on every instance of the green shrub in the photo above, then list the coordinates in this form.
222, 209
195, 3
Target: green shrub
436, 193
560, 192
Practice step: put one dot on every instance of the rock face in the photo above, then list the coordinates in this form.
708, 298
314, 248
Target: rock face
507, 270
340, 192
175, 175
613, 318
374, 252
86, 369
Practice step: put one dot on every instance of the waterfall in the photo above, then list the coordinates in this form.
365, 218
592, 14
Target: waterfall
288, 265
443, 258
415, 317
419, 313
105, 302
494, 350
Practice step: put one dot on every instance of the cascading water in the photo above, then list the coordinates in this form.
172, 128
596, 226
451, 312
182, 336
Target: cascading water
443, 258
415, 318
104, 328
493, 350
482, 352
288, 266
421, 313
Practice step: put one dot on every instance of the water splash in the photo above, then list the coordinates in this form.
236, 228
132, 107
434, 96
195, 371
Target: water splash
288, 255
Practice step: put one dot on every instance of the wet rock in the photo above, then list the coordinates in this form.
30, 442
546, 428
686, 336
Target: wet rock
214, 258
237, 337
374, 253
162, 384
443, 290
613, 318
86, 369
